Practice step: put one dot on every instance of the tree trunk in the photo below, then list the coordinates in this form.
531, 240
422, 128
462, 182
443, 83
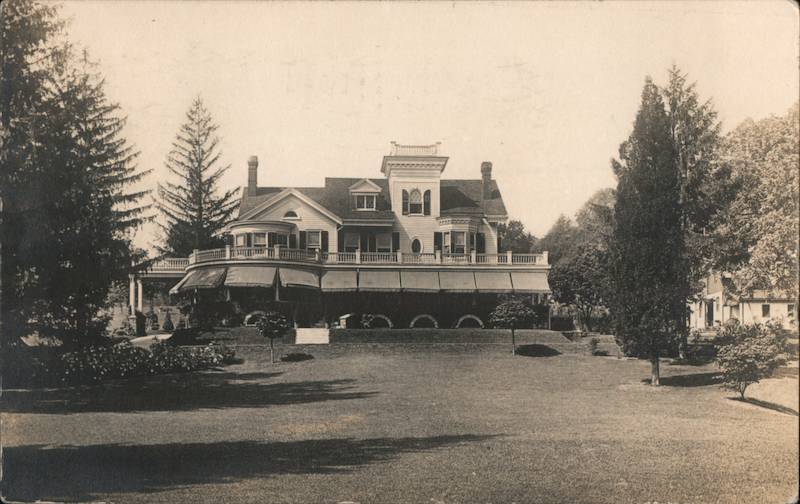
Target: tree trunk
271, 352
655, 370
513, 343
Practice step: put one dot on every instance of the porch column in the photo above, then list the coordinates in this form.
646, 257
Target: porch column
131, 294
140, 292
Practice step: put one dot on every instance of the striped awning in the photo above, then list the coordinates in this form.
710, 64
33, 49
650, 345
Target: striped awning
419, 281
339, 281
529, 282
250, 276
493, 281
206, 278
291, 277
457, 281
379, 281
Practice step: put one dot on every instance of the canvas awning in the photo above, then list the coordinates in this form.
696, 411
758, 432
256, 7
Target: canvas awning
291, 277
379, 281
206, 278
493, 281
457, 281
339, 281
419, 281
250, 276
530, 282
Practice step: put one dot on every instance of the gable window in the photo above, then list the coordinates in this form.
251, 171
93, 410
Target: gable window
365, 202
765, 311
415, 203
291, 214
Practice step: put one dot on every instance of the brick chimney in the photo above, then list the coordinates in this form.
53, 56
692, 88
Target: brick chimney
486, 178
252, 175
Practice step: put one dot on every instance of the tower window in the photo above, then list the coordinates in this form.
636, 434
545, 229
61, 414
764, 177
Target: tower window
415, 203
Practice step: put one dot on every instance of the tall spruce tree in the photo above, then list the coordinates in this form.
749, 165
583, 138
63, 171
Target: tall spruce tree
69, 206
193, 210
648, 265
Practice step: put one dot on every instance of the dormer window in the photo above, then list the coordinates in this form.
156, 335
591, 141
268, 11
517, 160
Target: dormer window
365, 201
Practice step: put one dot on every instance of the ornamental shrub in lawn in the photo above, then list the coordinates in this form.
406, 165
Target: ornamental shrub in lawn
747, 353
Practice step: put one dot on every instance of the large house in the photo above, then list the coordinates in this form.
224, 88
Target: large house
718, 304
410, 247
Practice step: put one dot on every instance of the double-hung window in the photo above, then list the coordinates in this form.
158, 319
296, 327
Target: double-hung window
365, 201
415, 203
459, 242
351, 242
384, 242
313, 240
241, 240
259, 239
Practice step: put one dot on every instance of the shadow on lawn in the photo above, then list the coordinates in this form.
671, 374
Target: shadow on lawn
179, 392
89, 472
535, 350
766, 404
690, 380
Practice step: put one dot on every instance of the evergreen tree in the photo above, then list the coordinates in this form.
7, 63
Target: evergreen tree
648, 263
69, 207
560, 240
192, 209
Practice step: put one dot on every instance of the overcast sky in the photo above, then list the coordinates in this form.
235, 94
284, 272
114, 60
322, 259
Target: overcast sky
546, 91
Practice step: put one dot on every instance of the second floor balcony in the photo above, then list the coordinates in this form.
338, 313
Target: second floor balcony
282, 254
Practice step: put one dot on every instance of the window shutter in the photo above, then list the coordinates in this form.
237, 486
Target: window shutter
437, 241
471, 242
249, 239
480, 243
293, 241
426, 202
270, 239
302, 239
499, 242
340, 240
373, 243
405, 202
324, 241
395, 242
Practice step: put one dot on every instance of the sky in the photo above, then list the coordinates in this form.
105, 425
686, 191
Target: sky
545, 90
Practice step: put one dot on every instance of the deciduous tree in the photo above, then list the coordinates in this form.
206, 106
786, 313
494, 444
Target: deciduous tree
513, 313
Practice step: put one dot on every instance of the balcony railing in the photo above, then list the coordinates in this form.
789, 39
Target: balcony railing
174, 265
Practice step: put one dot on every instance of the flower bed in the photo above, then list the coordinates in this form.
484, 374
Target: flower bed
99, 363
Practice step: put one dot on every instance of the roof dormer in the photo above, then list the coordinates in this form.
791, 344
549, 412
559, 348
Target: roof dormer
364, 195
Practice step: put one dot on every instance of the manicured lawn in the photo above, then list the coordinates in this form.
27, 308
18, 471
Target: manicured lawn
404, 423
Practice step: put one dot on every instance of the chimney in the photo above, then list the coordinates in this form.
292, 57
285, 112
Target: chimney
486, 178
252, 175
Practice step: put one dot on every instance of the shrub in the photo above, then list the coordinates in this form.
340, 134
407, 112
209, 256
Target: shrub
748, 353
168, 325
273, 325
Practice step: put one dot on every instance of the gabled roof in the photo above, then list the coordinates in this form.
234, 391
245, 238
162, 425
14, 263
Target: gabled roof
275, 197
457, 197
365, 185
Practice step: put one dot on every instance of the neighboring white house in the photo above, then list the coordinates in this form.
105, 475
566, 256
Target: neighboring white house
718, 304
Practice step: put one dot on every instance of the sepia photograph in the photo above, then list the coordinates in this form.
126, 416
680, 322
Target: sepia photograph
399, 252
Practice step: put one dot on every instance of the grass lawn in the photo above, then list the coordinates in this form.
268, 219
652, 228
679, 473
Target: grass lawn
399, 423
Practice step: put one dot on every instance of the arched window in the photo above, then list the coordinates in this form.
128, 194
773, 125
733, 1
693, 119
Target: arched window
415, 202
291, 214
416, 246
405, 202
426, 199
